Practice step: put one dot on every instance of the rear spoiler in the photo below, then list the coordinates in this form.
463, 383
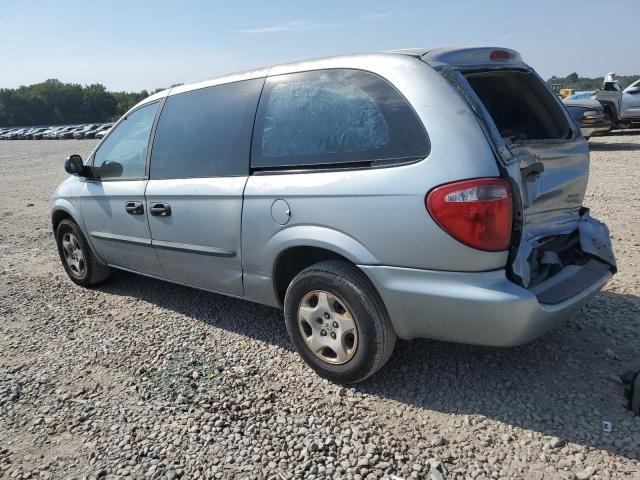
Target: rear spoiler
473, 57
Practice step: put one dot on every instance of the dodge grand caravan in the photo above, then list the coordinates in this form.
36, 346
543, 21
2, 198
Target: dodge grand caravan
414, 193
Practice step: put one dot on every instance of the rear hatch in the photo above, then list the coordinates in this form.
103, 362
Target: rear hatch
540, 150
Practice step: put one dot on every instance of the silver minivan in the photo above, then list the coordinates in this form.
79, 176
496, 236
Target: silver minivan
414, 193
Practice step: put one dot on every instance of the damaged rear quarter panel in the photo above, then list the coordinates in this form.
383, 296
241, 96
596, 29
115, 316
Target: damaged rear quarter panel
551, 177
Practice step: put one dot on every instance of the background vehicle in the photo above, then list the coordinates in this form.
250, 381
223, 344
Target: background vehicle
14, 134
92, 133
621, 107
305, 186
101, 133
588, 114
586, 95
66, 132
80, 132
44, 133
30, 135
52, 132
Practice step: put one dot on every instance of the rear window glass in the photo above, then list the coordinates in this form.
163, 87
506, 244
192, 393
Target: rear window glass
206, 132
520, 105
334, 117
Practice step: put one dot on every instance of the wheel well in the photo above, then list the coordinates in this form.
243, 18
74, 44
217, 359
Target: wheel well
293, 260
57, 217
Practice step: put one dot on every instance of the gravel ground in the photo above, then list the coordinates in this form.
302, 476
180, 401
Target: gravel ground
145, 379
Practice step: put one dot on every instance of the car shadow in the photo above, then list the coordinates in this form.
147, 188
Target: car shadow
564, 384
596, 146
620, 133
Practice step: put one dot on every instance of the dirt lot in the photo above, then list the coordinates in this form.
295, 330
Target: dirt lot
140, 378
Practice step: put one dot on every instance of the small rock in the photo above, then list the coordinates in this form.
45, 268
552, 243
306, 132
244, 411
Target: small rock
556, 442
610, 353
586, 473
436, 475
438, 441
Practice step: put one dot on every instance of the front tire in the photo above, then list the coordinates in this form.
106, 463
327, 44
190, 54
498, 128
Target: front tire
338, 322
77, 257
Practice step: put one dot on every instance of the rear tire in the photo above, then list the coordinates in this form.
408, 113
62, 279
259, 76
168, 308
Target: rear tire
77, 257
337, 298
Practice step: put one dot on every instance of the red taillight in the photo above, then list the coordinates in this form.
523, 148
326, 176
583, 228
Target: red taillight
499, 56
476, 212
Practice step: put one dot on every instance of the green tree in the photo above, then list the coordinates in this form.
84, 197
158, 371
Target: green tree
53, 102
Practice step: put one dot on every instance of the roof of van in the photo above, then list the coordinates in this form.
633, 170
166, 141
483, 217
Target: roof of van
433, 56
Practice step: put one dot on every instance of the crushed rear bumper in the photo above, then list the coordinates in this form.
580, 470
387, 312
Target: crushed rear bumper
487, 308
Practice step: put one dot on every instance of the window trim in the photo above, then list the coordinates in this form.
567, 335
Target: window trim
335, 166
92, 159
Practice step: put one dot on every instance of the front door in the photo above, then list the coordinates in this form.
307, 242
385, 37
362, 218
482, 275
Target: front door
113, 202
198, 169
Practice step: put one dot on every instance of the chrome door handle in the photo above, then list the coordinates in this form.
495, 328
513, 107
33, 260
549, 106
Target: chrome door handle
134, 208
160, 209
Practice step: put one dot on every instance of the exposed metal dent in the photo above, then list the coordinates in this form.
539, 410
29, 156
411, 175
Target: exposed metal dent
595, 239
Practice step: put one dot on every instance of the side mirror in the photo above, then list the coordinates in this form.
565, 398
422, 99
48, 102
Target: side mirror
75, 166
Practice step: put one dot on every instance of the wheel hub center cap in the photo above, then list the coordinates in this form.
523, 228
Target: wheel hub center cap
327, 327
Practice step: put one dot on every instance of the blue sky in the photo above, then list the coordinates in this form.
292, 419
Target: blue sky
130, 45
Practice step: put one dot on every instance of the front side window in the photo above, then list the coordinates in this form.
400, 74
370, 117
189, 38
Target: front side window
333, 117
206, 132
123, 153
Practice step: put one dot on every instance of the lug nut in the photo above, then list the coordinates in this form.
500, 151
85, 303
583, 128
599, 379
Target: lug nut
323, 333
335, 324
333, 335
327, 316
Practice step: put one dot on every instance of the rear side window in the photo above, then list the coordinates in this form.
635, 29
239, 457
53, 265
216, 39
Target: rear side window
206, 132
520, 105
334, 117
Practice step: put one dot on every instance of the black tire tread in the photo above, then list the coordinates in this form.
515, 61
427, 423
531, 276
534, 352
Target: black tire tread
98, 272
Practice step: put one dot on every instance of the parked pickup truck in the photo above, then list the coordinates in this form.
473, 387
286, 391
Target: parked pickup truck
621, 106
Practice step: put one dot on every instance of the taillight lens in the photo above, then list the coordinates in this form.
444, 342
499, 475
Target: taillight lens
477, 212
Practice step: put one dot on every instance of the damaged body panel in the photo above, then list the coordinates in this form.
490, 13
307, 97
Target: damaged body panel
547, 163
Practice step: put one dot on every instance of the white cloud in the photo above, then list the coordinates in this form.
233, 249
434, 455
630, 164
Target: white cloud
291, 26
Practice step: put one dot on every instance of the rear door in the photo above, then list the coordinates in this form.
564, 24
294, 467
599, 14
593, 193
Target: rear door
536, 145
198, 170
